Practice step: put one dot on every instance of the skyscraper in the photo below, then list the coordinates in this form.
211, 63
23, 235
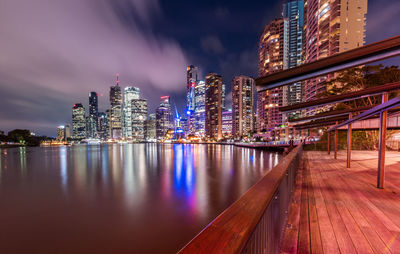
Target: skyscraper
200, 107
91, 127
191, 82
242, 104
331, 27
138, 118
78, 121
163, 118
293, 14
213, 106
115, 120
130, 93
271, 59
151, 127
227, 123
93, 104
61, 133
91, 119
102, 125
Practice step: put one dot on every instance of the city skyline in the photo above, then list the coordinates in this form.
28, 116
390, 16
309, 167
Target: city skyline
50, 91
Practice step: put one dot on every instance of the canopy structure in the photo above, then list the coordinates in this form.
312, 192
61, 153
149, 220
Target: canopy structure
362, 55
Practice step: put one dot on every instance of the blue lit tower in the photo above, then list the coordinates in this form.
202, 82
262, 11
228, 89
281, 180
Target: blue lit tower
191, 82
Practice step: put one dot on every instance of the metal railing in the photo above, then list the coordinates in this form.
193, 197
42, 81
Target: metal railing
255, 222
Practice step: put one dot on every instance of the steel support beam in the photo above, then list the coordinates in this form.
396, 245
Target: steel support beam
349, 131
336, 141
382, 144
348, 59
329, 142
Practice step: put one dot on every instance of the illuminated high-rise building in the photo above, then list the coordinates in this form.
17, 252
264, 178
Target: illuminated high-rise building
67, 131
242, 105
293, 14
93, 104
331, 27
163, 118
271, 59
130, 93
200, 107
227, 123
138, 118
78, 121
150, 133
61, 133
91, 126
102, 125
191, 82
115, 119
213, 106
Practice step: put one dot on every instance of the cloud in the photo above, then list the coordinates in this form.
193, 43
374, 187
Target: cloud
212, 45
54, 52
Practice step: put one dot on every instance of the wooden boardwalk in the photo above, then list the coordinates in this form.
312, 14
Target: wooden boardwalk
340, 210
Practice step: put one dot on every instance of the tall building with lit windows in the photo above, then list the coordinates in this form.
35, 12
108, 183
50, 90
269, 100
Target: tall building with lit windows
78, 121
164, 120
213, 97
191, 82
138, 119
200, 107
115, 113
242, 106
271, 57
130, 93
331, 27
293, 14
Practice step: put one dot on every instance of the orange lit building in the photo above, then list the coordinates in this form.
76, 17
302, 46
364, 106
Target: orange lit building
332, 26
271, 59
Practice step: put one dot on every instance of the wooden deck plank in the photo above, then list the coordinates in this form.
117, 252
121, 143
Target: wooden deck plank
343, 208
304, 226
315, 234
328, 238
290, 241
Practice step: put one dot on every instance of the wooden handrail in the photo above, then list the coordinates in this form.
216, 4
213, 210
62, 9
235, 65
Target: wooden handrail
231, 230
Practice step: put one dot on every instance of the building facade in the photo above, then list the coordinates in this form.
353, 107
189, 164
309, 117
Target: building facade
115, 118
138, 119
213, 123
200, 108
293, 14
331, 27
191, 82
164, 121
150, 133
130, 93
242, 106
271, 59
78, 121
227, 123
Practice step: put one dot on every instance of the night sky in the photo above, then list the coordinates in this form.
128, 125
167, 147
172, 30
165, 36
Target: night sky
52, 53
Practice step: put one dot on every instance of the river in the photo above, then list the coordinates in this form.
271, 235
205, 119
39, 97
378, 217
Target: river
121, 198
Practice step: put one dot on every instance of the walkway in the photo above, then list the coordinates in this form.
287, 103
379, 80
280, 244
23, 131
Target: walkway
340, 210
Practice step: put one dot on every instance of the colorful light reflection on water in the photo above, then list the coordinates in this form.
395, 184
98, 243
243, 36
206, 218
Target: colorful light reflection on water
132, 198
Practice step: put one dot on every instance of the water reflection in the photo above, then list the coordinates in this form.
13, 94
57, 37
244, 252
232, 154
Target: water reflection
124, 195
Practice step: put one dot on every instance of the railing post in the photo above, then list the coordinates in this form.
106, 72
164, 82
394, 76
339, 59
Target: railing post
349, 131
329, 142
382, 144
336, 141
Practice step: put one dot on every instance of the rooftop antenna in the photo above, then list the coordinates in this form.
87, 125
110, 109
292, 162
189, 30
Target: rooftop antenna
117, 79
